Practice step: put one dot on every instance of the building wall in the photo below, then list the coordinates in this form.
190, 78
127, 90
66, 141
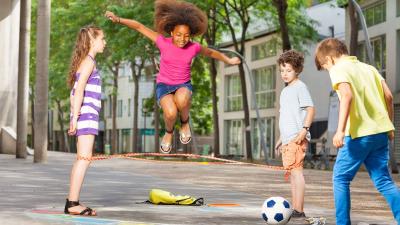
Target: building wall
389, 29
318, 82
125, 121
223, 72
9, 45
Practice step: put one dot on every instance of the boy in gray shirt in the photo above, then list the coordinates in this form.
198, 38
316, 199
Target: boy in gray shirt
296, 115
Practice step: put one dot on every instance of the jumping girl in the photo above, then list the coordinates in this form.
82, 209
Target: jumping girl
181, 21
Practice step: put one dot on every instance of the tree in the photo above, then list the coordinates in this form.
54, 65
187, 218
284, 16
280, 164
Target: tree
354, 25
281, 6
23, 79
32, 70
290, 18
71, 20
42, 56
137, 50
212, 36
66, 23
234, 14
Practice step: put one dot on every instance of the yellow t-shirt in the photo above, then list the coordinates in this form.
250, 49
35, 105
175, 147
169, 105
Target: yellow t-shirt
368, 112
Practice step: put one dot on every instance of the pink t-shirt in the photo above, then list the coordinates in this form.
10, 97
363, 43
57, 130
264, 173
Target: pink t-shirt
174, 61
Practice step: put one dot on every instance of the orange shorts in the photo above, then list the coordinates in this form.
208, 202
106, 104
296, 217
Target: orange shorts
293, 155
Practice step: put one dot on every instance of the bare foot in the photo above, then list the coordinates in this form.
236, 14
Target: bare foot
167, 139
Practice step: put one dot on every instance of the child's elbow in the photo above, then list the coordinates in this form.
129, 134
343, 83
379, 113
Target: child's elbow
389, 98
311, 110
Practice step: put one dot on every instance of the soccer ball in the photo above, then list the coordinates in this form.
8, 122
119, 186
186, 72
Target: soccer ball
276, 210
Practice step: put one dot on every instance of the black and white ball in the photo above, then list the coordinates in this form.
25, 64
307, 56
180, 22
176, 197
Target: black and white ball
276, 210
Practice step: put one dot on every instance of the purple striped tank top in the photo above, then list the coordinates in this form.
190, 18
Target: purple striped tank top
88, 120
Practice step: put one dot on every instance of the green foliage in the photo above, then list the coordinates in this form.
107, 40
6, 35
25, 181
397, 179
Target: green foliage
124, 44
301, 27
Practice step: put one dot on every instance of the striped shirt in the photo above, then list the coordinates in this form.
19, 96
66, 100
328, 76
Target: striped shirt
88, 120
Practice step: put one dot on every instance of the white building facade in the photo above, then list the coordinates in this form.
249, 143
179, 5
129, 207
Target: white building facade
124, 114
261, 52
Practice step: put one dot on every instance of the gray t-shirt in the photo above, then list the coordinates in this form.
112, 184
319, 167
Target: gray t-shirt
293, 102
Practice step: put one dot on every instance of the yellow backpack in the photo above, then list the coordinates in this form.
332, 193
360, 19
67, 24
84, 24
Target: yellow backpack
160, 197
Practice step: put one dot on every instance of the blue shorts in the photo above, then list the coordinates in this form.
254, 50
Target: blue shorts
165, 89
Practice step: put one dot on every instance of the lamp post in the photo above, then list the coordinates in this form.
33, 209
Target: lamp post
365, 31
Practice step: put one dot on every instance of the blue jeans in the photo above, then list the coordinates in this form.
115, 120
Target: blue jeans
373, 151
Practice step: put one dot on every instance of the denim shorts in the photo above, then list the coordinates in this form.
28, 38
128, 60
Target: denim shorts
165, 89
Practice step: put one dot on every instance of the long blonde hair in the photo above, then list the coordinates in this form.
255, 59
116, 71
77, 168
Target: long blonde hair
81, 49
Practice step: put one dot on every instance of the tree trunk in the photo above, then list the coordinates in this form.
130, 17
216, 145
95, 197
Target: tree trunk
115, 70
244, 17
210, 37
42, 71
246, 110
156, 122
281, 6
23, 78
354, 23
32, 100
114, 146
213, 73
64, 139
135, 108
156, 112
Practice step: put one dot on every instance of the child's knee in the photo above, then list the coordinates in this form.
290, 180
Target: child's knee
84, 158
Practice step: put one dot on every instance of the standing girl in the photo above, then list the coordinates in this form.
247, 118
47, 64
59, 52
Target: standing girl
182, 21
85, 99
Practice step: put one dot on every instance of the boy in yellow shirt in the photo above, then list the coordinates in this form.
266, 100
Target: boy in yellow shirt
364, 127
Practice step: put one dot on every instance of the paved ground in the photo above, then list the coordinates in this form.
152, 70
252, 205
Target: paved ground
35, 193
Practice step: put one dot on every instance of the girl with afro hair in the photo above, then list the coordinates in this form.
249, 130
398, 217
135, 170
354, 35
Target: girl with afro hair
180, 21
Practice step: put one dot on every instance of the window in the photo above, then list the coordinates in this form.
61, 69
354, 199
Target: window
268, 124
234, 137
379, 51
398, 8
233, 93
264, 50
119, 108
129, 107
265, 79
375, 14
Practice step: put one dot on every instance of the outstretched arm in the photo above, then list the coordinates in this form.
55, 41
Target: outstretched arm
220, 56
133, 24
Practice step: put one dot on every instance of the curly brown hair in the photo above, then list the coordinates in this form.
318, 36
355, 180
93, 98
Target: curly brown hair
81, 49
170, 13
294, 58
